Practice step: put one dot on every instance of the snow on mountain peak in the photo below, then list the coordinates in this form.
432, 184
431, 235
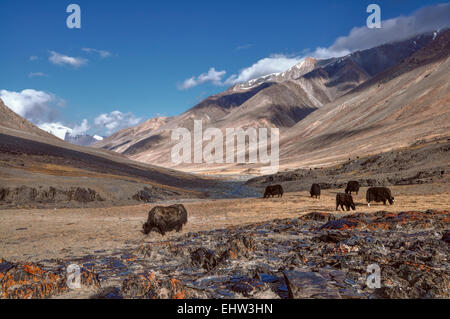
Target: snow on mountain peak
56, 129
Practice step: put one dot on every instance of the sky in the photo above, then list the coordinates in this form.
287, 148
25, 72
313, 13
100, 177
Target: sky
133, 60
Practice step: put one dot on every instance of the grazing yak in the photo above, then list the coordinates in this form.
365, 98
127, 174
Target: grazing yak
379, 194
345, 200
352, 186
165, 219
273, 190
315, 190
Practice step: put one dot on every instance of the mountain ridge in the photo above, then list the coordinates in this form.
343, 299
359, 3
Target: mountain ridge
282, 100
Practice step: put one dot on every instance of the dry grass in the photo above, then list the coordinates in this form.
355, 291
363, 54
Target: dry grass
39, 234
70, 171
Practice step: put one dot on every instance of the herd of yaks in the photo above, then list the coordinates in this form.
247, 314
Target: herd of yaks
164, 219
374, 194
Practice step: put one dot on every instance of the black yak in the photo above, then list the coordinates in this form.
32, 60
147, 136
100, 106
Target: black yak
352, 186
379, 194
345, 200
273, 190
165, 219
315, 190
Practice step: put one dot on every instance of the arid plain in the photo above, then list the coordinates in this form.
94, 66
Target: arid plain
40, 234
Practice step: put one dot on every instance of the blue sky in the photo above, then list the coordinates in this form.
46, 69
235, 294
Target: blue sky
137, 54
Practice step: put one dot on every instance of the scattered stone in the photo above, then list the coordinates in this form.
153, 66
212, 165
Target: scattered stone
306, 285
332, 237
245, 286
241, 246
204, 258
147, 286
446, 237
340, 224
310, 257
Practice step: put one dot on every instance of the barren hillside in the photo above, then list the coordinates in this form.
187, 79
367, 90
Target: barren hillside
38, 169
320, 107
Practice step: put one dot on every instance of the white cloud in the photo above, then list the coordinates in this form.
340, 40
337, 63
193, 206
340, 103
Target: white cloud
60, 130
81, 129
60, 59
33, 58
57, 129
212, 76
101, 53
35, 106
41, 108
273, 64
427, 19
115, 121
36, 74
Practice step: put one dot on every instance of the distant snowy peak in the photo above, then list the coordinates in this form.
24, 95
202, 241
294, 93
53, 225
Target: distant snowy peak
56, 129
304, 66
308, 64
82, 139
65, 133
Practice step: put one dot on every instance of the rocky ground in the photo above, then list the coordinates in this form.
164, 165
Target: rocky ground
421, 163
315, 255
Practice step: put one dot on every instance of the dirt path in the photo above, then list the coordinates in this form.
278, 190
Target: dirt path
33, 235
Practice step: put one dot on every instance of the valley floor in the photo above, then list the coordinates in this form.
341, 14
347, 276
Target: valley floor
38, 234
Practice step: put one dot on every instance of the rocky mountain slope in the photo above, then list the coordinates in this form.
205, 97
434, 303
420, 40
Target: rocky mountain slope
13, 122
303, 102
404, 104
39, 169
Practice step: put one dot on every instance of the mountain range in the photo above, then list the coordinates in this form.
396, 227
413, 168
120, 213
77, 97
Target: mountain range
38, 168
327, 110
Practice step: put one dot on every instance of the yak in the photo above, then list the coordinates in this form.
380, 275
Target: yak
345, 200
273, 190
315, 190
352, 186
165, 219
379, 194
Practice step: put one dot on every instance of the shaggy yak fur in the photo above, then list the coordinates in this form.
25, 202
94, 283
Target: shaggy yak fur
315, 190
352, 186
345, 200
273, 190
165, 219
379, 194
